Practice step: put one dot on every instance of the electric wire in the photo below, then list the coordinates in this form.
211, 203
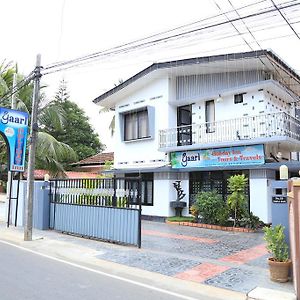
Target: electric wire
18, 86
220, 33
286, 20
148, 37
276, 71
120, 49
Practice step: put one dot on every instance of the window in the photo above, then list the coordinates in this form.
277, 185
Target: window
136, 125
146, 187
238, 98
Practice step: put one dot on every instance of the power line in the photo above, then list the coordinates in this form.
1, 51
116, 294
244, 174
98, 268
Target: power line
286, 20
18, 86
219, 37
123, 49
143, 39
236, 29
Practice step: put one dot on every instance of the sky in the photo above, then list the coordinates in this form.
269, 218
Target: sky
65, 29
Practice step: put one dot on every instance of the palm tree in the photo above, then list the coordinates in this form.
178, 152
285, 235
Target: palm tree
112, 124
50, 153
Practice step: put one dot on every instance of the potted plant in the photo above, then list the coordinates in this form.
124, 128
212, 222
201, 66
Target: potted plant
178, 205
279, 263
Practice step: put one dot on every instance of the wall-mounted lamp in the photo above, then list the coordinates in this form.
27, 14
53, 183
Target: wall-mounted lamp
46, 177
283, 172
219, 99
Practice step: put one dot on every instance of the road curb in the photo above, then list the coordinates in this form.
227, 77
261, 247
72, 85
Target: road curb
268, 294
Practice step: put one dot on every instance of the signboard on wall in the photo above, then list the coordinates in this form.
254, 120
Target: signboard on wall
14, 128
221, 157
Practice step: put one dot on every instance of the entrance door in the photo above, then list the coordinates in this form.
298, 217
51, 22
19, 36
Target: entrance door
210, 116
184, 123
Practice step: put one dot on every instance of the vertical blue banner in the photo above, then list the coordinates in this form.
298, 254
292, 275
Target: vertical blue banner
14, 128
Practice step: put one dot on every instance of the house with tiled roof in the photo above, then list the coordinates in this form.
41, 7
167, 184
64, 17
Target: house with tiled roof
94, 164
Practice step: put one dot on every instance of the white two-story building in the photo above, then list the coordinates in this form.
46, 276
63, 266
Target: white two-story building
201, 120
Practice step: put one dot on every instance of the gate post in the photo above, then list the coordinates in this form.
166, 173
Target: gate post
140, 212
294, 215
114, 199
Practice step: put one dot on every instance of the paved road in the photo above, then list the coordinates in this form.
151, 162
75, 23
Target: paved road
25, 275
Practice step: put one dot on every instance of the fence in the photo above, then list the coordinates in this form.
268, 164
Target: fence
107, 209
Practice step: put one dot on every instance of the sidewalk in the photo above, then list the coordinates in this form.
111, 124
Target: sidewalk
223, 264
3, 214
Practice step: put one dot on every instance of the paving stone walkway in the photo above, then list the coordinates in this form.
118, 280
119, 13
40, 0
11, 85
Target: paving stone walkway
232, 260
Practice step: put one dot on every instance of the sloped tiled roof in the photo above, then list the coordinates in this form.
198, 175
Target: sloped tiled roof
98, 159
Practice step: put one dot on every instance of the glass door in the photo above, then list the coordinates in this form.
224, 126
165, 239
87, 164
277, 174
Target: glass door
210, 116
184, 123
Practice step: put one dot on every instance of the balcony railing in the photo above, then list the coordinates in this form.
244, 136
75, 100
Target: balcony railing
261, 126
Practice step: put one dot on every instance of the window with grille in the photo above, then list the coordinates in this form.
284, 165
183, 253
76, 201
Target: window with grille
136, 125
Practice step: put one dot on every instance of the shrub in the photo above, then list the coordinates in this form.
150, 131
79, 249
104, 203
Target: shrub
275, 238
212, 208
251, 221
194, 210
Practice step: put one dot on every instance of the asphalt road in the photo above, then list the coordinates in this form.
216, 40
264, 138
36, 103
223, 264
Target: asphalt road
25, 275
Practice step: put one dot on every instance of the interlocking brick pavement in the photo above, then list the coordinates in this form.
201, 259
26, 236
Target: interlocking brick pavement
231, 260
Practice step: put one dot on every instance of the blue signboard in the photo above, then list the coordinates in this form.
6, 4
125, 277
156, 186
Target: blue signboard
221, 157
14, 127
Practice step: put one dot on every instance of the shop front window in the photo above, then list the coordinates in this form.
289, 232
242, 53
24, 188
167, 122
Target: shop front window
214, 180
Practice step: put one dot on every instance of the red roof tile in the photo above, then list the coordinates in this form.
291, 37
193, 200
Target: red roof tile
99, 158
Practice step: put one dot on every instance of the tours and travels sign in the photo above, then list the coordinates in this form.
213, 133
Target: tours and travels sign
231, 156
14, 127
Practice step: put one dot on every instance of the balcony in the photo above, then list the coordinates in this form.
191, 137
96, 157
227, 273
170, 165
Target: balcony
260, 129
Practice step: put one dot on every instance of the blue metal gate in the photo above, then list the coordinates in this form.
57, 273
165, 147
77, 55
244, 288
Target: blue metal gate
107, 208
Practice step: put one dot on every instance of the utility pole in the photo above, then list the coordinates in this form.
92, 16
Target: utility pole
10, 173
32, 148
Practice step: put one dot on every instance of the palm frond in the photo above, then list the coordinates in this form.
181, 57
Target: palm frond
49, 147
52, 116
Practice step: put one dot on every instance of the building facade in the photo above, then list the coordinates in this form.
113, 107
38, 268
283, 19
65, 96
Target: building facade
202, 120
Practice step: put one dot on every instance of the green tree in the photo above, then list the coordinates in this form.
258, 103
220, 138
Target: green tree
237, 198
50, 153
77, 131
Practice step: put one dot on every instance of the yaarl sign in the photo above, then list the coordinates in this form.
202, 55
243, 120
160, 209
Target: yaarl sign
14, 129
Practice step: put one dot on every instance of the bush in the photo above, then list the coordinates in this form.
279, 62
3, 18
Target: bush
275, 238
194, 210
251, 221
212, 208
